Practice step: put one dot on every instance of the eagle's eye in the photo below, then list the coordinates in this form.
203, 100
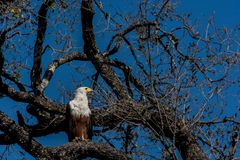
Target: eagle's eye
86, 89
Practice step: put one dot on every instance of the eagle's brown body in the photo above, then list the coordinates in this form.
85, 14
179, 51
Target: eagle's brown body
78, 116
80, 127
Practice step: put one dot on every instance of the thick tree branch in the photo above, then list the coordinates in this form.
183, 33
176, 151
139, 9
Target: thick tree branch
6, 140
159, 123
46, 126
42, 108
57, 63
15, 95
91, 49
38, 47
22, 137
38, 101
86, 149
71, 150
1, 64
127, 72
14, 80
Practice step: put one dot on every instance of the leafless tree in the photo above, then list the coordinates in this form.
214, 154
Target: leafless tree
162, 88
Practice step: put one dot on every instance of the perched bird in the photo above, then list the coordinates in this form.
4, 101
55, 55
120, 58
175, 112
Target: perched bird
78, 116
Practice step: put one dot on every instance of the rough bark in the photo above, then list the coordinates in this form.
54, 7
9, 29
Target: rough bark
38, 47
93, 54
74, 150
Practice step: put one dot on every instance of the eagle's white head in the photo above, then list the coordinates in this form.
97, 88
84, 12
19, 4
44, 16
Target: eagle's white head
82, 91
79, 105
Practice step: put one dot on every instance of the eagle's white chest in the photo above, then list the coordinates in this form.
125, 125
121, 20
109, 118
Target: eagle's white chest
79, 108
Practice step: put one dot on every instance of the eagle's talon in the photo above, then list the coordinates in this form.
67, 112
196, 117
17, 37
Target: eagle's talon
76, 139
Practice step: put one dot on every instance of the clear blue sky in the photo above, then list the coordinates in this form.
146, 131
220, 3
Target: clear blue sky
226, 12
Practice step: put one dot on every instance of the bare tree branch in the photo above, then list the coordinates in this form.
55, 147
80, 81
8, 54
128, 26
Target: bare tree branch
15, 25
22, 137
86, 149
57, 63
159, 124
92, 51
13, 79
121, 36
234, 142
80, 150
38, 48
2, 40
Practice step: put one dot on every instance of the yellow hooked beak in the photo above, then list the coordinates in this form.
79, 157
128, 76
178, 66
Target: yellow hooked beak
88, 90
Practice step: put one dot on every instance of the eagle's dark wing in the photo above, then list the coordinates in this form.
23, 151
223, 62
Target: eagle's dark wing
90, 133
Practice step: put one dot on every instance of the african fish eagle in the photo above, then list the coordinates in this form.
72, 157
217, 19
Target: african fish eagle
78, 116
